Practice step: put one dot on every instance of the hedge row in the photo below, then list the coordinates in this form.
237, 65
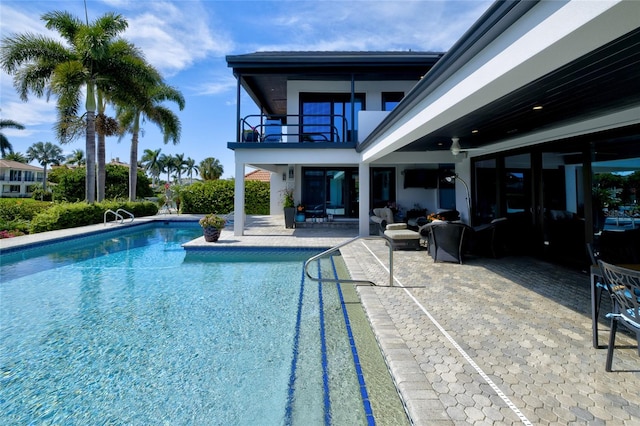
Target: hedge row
216, 196
71, 215
16, 214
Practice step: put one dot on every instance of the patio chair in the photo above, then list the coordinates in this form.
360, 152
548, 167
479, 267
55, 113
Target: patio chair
597, 288
489, 239
446, 241
615, 247
624, 287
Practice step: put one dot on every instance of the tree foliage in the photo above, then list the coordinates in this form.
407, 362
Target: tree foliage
211, 169
5, 145
70, 183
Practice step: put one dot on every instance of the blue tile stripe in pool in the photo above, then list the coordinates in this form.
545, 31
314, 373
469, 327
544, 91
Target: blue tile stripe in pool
325, 374
356, 359
323, 350
294, 360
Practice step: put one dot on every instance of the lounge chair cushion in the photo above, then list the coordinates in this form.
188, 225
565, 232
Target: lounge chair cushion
403, 238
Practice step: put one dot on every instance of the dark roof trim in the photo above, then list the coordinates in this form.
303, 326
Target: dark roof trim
284, 60
501, 15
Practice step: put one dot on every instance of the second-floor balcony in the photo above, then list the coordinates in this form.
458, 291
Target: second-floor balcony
331, 130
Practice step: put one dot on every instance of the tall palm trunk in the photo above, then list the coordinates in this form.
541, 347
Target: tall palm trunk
91, 158
133, 167
102, 173
90, 186
44, 178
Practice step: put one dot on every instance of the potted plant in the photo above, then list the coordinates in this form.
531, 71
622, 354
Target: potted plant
300, 216
211, 227
289, 208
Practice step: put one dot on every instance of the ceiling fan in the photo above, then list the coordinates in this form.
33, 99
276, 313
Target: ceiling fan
457, 149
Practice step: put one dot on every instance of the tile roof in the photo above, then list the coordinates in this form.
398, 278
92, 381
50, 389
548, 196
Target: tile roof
261, 175
10, 164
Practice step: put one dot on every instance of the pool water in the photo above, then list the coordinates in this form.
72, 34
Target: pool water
128, 329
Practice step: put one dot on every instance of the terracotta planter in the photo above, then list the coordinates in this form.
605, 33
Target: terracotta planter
211, 234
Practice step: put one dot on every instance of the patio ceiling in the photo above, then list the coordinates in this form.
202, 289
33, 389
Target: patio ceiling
604, 81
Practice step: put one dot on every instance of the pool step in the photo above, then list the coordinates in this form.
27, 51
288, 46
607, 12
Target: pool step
328, 225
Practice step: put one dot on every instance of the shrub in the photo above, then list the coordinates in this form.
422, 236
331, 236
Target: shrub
71, 215
217, 196
209, 196
16, 215
21, 208
256, 197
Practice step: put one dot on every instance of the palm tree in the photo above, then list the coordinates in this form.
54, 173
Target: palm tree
76, 158
168, 164
45, 153
91, 60
16, 156
148, 107
190, 168
180, 164
5, 146
151, 163
211, 169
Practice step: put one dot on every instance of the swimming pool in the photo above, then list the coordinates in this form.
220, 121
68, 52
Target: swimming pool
129, 329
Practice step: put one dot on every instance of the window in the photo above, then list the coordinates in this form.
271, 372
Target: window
15, 175
14, 188
383, 186
29, 176
327, 117
391, 99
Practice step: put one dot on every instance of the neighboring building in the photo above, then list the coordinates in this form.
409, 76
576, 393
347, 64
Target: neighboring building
17, 179
533, 100
259, 175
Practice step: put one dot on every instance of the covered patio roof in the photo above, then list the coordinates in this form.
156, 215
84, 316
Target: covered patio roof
543, 76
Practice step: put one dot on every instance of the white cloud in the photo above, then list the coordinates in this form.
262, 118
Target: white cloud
221, 85
24, 20
173, 38
374, 25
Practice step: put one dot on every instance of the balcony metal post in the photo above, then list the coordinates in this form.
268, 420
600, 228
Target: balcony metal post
238, 89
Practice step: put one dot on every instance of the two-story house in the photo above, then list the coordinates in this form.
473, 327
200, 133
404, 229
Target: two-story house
524, 109
17, 179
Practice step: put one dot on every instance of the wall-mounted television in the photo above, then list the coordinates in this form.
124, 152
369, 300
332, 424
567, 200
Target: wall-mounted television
421, 178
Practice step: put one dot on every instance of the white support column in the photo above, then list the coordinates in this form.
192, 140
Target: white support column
363, 196
238, 201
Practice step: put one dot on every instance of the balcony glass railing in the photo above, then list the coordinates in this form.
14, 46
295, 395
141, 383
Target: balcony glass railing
294, 128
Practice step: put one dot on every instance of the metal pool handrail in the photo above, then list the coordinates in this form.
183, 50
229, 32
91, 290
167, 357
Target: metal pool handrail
118, 216
338, 247
131, 217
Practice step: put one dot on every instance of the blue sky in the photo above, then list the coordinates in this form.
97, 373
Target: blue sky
187, 40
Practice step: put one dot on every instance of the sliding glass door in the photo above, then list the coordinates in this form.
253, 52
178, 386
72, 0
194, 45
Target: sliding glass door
330, 192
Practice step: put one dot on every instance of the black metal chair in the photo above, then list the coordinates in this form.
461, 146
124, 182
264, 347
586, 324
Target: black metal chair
624, 286
615, 247
597, 288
